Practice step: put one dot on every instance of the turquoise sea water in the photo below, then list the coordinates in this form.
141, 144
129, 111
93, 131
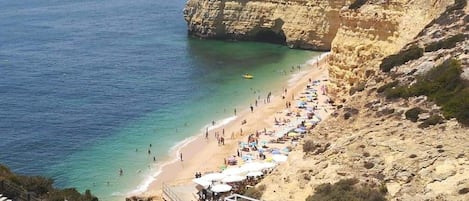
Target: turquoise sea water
86, 83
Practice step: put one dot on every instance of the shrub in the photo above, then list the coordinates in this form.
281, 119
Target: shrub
444, 86
347, 115
412, 53
255, 192
347, 189
41, 187
433, 120
463, 191
357, 4
387, 86
398, 92
413, 114
458, 5
357, 88
368, 165
447, 43
309, 146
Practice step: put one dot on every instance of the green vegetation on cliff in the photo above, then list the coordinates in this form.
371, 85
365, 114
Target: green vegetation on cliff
442, 85
348, 189
447, 43
16, 186
357, 4
412, 53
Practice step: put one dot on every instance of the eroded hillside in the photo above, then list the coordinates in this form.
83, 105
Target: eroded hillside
306, 24
377, 136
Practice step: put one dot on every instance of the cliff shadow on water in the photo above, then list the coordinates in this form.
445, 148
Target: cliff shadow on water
214, 54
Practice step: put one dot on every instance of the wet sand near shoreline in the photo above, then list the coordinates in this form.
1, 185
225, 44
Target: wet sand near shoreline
206, 155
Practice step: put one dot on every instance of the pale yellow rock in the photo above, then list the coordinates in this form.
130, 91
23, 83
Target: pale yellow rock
374, 31
306, 24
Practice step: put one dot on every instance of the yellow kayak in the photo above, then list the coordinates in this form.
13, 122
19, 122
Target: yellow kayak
248, 76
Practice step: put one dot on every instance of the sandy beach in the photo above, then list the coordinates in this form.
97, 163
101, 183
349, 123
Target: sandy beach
206, 155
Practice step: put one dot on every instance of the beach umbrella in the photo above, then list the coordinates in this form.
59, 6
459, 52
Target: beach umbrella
233, 171
292, 134
247, 157
269, 165
233, 178
279, 134
242, 144
253, 166
316, 119
300, 130
279, 158
220, 188
275, 151
204, 183
213, 176
255, 174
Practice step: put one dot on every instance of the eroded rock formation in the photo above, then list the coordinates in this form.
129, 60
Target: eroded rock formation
305, 24
375, 30
379, 144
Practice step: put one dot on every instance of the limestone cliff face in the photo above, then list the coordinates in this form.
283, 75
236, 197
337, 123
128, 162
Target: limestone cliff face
369, 136
375, 30
305, 24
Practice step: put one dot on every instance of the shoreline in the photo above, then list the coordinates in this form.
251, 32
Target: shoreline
202, 155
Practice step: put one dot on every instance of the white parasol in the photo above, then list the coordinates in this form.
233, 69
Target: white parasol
220, 188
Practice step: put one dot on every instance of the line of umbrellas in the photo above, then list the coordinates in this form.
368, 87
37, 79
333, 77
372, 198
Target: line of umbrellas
232, 174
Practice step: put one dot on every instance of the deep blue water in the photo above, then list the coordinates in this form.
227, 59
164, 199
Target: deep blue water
85, 83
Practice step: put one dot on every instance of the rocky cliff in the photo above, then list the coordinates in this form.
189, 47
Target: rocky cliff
377, 136
305, 24
373, 31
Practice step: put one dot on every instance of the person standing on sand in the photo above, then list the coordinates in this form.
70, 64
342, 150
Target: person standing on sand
235, 111
252, 109
180, 156
206, 133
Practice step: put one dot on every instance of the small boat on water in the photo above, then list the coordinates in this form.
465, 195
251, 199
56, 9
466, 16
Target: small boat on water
248, 76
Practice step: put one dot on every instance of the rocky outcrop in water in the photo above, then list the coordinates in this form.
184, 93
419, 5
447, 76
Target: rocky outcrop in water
305, 24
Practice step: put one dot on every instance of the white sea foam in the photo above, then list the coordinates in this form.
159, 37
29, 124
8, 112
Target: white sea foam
117, 194
218, 124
